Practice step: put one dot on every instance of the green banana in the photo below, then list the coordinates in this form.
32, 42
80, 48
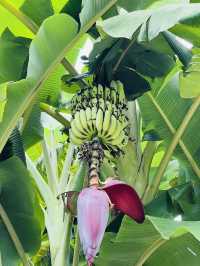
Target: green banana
83, 120
113, 126
100, 91
117, 131
107, 95
120, 89
119, 141
99, 116
100, 111
106, 120
94, 113
78, 122
75, 140
75, 130
88, 113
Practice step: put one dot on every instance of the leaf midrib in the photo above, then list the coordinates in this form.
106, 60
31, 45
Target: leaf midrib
35, 89
173, 131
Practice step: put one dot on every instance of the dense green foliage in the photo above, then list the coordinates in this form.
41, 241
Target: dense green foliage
50, 49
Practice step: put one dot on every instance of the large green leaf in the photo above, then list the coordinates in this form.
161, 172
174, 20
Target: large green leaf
13, 55
73, 8
188, 29
188, 32
126, 61
130, 5
148, 244
168, 105
181, 200
33, 131
37, 10
159, 19
8, 20
90, 11
47, 49
50, 44
8, 254
18, 199
189, 79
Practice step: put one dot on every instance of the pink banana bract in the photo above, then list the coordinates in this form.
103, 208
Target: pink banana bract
93, 212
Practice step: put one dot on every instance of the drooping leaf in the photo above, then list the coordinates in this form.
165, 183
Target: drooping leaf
47, 49
158, 20
18, 199
184, 54
127, 62
130, 5
167, 16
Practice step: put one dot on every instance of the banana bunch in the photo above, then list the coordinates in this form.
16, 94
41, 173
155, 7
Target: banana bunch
100, 112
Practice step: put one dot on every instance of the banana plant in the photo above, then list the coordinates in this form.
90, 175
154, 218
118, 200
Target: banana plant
101, 166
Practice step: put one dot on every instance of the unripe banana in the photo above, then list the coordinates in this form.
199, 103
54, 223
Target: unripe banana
120, 89
99, 121
94, 92
107, 95
94, 102
113, 126
94, 113
78, 122
100, 111
88, 113
100, 115
83, 120
106, 120
119, 141
117, 131
75, 130
76, 141
100, 91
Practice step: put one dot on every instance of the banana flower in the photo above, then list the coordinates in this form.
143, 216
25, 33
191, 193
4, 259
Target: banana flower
93, 212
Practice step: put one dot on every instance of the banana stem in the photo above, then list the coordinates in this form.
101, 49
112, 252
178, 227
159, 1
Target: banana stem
51, 111
94, 168
93, 153
95, 162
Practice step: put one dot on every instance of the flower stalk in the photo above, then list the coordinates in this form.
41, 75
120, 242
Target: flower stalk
93, 153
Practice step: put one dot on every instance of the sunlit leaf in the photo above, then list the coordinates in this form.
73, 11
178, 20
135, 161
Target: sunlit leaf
46, 51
